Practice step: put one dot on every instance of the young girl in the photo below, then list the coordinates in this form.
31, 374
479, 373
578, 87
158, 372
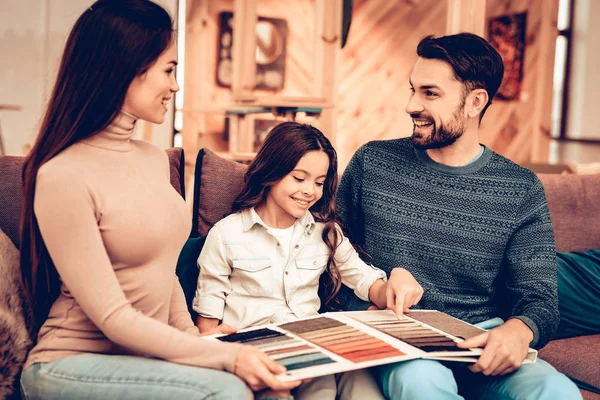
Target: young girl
102, 229
272, 259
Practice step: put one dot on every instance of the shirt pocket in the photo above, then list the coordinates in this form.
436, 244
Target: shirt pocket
254, 276
310, 269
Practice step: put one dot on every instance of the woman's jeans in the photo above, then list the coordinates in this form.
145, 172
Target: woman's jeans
99, 376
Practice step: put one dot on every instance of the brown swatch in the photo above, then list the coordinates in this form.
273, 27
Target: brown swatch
341, 339
446, 323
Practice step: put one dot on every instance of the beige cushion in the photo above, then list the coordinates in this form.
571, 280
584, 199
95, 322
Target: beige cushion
177, 165
217, 183
14, 335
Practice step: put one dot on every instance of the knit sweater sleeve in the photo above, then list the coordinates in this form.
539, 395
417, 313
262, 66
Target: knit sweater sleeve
349, 208
532, 269
65, 208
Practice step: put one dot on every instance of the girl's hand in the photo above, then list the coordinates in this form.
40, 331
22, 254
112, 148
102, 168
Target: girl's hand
402, 291
258, 370
223, 328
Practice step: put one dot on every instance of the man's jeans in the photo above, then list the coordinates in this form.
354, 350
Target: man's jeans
429, 379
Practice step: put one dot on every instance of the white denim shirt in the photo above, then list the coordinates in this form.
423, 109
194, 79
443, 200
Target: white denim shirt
245, 280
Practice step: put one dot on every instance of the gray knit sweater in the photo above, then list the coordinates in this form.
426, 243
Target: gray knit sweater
478, 238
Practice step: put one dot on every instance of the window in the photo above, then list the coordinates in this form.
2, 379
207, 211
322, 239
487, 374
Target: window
561, 68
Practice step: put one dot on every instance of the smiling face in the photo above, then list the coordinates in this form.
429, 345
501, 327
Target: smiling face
149, 93
299, 190
436, 104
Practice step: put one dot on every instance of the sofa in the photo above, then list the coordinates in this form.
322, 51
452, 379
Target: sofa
575, 213
574, 209
572, 200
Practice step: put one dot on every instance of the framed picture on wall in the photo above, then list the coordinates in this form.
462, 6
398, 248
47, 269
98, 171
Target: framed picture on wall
507, 34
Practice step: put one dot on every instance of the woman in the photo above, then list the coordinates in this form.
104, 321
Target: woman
102, 229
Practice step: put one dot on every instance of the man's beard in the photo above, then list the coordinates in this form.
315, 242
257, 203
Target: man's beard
440, 137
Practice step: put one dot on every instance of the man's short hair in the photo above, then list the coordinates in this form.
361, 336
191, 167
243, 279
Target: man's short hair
475, 62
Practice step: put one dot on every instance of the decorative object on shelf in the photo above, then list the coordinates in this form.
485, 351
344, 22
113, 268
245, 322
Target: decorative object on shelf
271, 40
241, 129
262, 127
251, 55
507, 35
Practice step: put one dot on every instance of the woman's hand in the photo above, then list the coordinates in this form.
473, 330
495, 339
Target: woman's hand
399, 293
258, 370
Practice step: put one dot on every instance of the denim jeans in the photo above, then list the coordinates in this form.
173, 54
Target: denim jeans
98, 376
430, 379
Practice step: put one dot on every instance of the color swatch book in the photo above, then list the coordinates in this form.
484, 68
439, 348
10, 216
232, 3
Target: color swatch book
336, 342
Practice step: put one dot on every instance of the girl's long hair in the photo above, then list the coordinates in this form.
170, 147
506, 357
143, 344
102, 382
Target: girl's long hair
112, 42
283, 148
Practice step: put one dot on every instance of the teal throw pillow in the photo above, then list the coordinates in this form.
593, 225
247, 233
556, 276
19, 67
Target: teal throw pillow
187, 269
578, 293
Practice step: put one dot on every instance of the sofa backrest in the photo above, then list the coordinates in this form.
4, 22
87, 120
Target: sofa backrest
11, 196
574, 206
572, 200
217, 182
177, 168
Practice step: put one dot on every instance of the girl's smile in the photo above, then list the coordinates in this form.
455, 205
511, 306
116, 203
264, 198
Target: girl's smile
297, 192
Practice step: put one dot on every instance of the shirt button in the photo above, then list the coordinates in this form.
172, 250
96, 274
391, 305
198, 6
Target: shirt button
278, 244
287, 273
296, 246
272, 320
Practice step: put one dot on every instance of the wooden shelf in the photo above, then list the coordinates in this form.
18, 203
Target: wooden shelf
289, 113
10, 107
237, 156
206, 110
281, 101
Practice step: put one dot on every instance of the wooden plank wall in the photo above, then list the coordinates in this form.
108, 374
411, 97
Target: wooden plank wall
520, 129
375, 66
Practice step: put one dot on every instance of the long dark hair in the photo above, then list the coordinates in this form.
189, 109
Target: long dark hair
283, 147
111, 43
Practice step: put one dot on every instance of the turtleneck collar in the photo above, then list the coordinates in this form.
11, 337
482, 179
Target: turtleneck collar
117, 135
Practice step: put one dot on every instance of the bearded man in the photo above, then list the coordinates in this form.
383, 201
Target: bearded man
470, 226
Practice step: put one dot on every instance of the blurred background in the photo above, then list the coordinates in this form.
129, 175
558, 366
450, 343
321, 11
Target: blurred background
342, 65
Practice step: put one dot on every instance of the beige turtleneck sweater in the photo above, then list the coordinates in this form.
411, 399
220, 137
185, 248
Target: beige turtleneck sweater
114, 227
